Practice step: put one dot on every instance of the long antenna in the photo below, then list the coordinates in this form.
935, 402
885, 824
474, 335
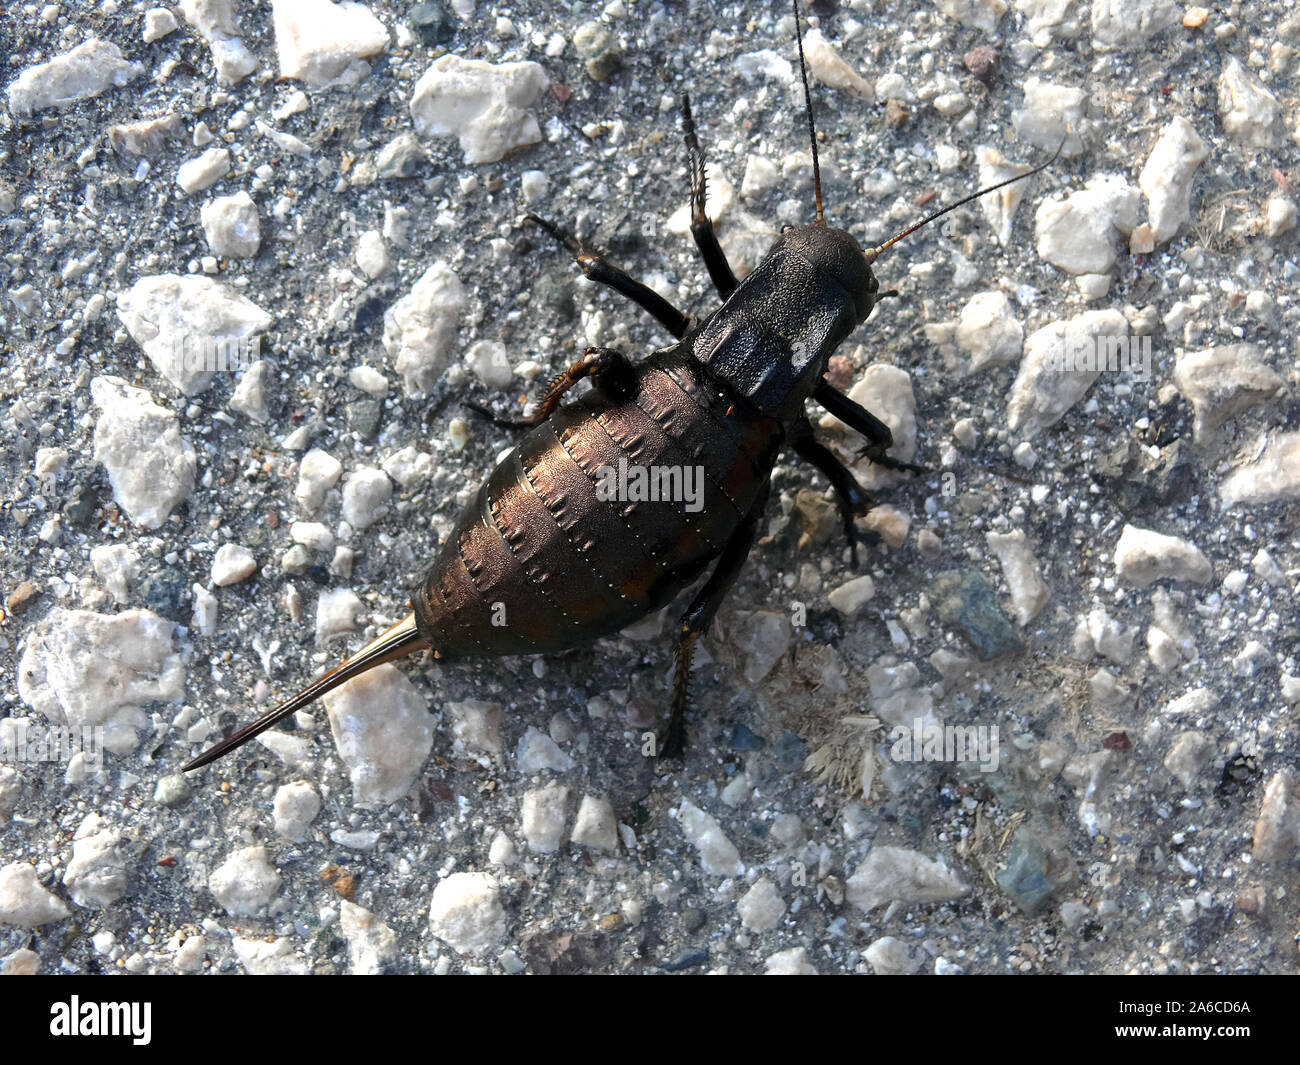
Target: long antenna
873, 252
812, 129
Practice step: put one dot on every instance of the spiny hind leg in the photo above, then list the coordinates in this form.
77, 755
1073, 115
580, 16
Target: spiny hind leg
696, 621
853, 499
606, 365
706, 240
879, 437
598, 268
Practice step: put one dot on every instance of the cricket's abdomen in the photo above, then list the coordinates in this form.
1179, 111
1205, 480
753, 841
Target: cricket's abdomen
566, 540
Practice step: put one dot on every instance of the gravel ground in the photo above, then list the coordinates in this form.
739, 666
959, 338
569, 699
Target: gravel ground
1099, 572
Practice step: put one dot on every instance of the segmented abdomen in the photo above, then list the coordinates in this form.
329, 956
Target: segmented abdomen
540, 562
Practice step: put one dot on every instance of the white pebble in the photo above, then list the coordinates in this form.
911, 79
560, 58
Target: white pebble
232, 564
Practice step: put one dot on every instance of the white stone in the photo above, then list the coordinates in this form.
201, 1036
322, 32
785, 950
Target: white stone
85, 72
1110, 638
485, 106
336, 613
761, 907
397, 226
191, 327
245, 883
189, 955
791, 962
383, 732
1187, 756
203, 171
366, 493
1080, 234
1029, 592
893, 86
1271, 472
409, 468
891, 874
249, 397
372, 254
892, 957
718, 855
595, 827
204, 617
1052, 117
981, 15
533, 185
22, 962
80, 669
1043, 392
231, 226
537, 751
1143, 556
322, 43
502, 850
765, 636
1192, 703
1221, 383
1279, 215
24, 902
1249, 112
988, 331
1092, 287
217, 24
1122, 25
466, 913
150, 465
490, 363
1267, 569
829, 67
1166, 178
764, 63
231, 564
318, 472
294, 809
1277, 829
158, 22
276, 958
11, 788
999, 207
96, 876
542, 818
852, 595
312, 534
761, 175
292, 749
887, 392
371, 943
286, 142
118, 566
420, 328
476, 730
369, 380
1046, 20
51, 462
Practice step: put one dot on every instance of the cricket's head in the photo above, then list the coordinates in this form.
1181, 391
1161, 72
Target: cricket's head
837, 256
